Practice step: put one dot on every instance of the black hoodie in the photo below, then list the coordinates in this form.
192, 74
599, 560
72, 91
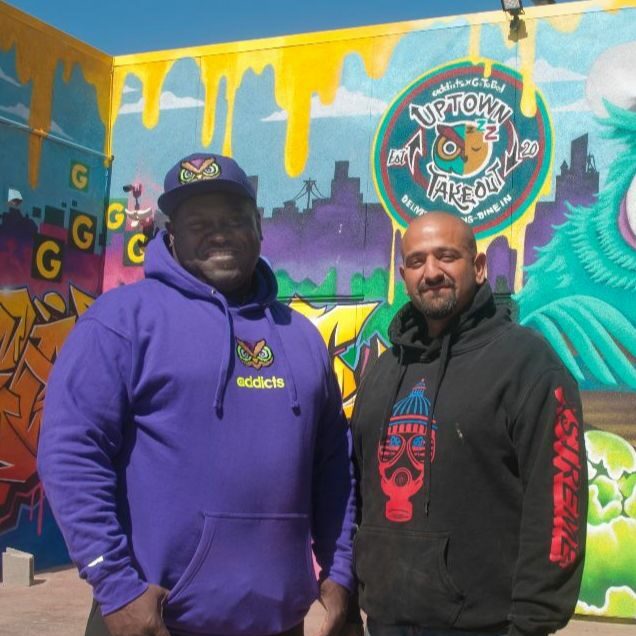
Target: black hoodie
478, 521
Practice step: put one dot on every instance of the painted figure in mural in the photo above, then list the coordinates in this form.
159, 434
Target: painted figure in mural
14, 199
469, 441
193, 442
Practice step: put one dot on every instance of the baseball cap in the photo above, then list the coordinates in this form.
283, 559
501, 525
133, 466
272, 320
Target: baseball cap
201, 173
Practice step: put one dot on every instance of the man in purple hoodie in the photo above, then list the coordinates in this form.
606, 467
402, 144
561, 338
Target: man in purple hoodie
193, 446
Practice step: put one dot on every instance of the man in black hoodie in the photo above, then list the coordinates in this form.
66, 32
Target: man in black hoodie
469, 443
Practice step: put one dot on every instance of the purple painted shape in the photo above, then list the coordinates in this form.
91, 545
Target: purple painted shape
13, 223
577, 184
338, 231
502, 262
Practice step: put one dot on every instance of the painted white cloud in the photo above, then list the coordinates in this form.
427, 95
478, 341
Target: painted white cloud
7, 78
20, 110
613, 77
547, 73
56, 129
129, 89
578, 106
167, 101
347, 104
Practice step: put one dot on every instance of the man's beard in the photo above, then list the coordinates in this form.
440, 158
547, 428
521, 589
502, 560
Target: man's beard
437, 307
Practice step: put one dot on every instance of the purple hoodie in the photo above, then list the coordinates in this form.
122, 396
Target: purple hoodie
199, 446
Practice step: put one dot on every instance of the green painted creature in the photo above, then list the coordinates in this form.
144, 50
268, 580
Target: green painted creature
581, 291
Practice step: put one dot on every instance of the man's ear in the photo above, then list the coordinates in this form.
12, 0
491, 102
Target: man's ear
170, 231
480, 268
402, 270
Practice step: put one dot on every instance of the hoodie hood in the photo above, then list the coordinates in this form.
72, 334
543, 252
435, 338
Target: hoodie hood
408, 329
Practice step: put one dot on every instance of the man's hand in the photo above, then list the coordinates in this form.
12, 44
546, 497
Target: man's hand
141, 617
335, 600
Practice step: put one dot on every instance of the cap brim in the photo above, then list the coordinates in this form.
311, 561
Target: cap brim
169, 201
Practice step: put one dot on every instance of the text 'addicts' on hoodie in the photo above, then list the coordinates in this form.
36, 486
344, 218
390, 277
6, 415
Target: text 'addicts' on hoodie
199, 446
473, 478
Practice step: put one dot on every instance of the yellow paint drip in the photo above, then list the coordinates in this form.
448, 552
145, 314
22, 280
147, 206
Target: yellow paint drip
473, 42
231, 66
301, 70
39, 49
152, 77
396, 236
565, 23
527, 54
474, 46
612, 6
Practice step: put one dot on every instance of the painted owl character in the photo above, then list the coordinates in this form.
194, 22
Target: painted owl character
460, 149
199, 170
254, 355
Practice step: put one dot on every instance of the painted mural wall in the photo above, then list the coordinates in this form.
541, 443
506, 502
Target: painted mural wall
528, 133
54, 109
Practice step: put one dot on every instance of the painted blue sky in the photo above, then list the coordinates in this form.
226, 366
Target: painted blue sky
119, 27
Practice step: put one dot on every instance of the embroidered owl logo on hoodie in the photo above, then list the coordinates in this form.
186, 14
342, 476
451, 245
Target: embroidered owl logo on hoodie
255, 355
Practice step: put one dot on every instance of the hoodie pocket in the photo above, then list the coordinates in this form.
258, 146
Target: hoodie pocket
404, 579
249, 574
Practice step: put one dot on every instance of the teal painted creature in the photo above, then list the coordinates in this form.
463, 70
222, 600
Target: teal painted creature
581, 291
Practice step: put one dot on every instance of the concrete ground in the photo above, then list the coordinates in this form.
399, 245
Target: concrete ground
58, 605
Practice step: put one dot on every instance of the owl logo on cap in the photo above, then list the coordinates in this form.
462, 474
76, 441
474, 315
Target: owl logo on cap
194, 170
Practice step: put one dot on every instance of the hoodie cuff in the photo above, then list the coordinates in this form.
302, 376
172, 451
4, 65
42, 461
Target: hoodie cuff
117, 589
341, 579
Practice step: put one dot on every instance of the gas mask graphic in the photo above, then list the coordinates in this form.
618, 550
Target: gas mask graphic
401, 455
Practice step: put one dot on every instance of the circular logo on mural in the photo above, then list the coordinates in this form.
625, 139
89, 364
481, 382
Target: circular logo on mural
456, 140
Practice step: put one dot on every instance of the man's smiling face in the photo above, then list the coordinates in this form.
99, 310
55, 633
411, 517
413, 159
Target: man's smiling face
440, 266
217, 238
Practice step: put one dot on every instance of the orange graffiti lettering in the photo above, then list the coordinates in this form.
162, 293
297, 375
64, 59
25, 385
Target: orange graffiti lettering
32, 332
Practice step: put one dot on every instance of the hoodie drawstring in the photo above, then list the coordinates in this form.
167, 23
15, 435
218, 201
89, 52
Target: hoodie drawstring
428, 457
384, 426
225, 360
289, 378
